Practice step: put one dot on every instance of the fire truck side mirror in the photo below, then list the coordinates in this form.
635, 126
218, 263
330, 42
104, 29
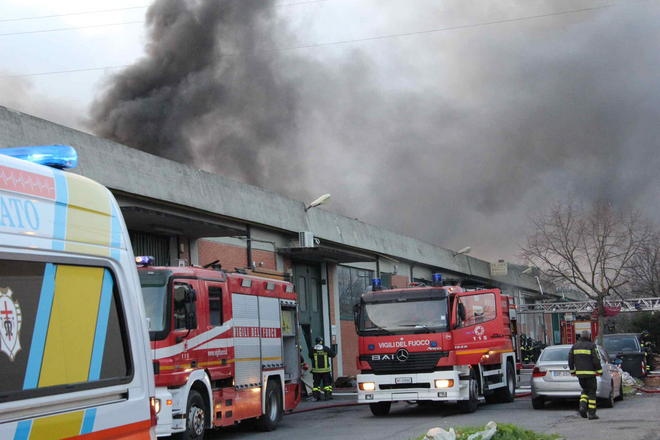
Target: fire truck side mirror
356, 315
460, 314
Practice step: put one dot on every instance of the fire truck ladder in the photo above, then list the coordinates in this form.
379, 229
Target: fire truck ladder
622, 305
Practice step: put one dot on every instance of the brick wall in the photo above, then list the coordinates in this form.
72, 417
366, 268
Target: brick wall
232, 256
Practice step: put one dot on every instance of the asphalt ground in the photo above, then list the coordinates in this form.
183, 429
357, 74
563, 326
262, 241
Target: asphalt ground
348, 396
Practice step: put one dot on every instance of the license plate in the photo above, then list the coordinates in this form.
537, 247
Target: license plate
561, 373
403, 380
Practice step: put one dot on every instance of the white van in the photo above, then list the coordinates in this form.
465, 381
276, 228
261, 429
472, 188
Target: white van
74, 345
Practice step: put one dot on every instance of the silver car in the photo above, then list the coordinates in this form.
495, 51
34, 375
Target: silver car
552, 380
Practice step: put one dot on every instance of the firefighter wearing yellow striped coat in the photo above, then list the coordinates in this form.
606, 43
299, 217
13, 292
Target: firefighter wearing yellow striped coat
584, 362
321, 370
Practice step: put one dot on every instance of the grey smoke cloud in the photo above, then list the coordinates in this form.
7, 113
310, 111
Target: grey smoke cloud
455, 137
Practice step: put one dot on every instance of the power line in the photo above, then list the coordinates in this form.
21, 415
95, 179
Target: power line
103, 11
71, 28
100, 11
57, 72
449, 28
359, 40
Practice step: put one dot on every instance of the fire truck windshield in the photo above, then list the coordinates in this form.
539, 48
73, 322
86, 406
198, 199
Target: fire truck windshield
427, 315
154, 294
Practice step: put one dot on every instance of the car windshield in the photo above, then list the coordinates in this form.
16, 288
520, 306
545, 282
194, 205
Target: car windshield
616, 344
555, 354
423, 316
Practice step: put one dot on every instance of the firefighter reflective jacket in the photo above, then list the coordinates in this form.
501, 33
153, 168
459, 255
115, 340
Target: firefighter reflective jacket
583, 359
321, 359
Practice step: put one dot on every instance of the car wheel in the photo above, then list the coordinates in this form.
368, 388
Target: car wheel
620, 396
538, 402
609, 401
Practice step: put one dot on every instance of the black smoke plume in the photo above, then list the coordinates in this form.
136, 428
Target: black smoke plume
454, 136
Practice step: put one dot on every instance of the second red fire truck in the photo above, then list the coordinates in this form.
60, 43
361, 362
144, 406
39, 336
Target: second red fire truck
435, 343
225, 347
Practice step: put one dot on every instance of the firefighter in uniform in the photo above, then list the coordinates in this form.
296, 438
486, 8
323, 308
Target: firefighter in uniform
321, 366
584, 362
648, 347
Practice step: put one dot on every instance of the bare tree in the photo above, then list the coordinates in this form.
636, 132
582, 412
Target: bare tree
589, 248
644, 270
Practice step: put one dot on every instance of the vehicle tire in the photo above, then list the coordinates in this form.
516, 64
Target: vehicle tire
620, 396
609, 401
508, 393
470, 405
196, 412
380, 409
538, 402
274, 410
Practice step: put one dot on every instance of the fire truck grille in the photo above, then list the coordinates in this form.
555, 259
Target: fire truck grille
415, 362
401, 386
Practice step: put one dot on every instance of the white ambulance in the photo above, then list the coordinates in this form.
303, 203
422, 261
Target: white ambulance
74, 344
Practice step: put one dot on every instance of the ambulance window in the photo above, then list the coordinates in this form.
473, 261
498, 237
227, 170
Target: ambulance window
215, 305
62, 329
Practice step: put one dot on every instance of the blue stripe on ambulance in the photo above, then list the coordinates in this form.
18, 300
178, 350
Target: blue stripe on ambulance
23, 430
38, 345
88, 421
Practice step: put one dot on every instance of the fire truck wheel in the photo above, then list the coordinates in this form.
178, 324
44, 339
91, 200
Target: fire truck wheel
380, 408
508, 393
195, 417
273, 411
470, 405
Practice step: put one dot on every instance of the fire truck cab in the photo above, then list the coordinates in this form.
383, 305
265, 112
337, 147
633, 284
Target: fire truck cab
225, 347
434, 343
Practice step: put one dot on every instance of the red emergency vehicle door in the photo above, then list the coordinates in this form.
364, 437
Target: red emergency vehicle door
475, 324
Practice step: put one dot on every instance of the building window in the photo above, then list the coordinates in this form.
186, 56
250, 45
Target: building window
352, 284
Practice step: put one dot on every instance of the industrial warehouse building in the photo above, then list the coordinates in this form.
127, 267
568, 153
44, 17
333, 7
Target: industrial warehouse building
182, 215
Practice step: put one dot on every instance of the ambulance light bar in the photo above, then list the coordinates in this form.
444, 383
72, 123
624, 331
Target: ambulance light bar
61, 157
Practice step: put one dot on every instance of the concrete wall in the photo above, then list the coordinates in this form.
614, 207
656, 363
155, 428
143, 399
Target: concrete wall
132, 171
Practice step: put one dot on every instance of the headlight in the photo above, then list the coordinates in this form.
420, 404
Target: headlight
444, 383
367, 386
155, 404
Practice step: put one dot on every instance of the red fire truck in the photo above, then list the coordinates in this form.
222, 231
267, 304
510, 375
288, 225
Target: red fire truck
435, 343
225, 347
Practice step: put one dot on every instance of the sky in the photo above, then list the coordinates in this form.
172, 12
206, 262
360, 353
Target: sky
454, 122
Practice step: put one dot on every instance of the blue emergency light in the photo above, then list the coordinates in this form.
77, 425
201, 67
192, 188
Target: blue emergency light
376, 284
144, 260
437, 279
56, 156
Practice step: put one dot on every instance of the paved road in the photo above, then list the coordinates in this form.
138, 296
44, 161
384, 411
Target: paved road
635, 418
